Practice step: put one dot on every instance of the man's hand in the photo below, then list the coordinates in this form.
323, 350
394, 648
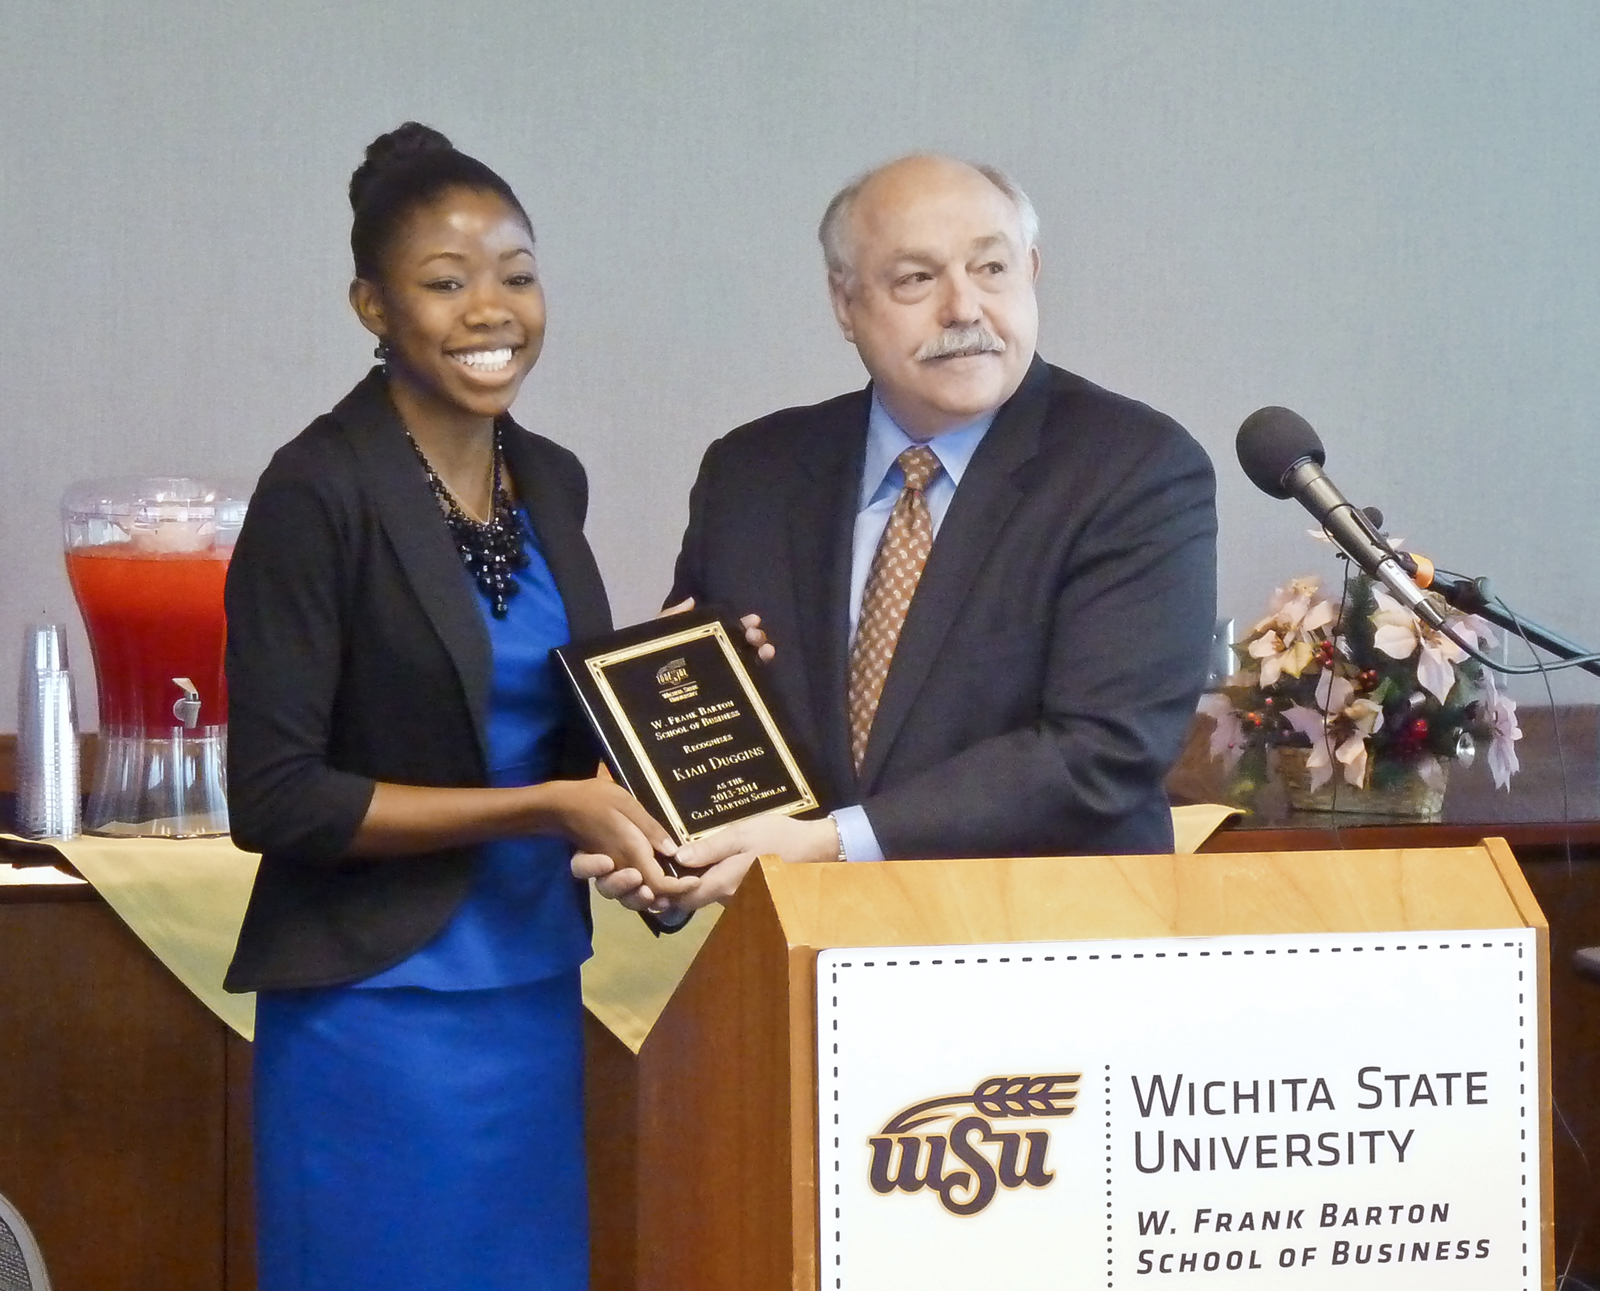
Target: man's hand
725, 856
757, 639
754, 637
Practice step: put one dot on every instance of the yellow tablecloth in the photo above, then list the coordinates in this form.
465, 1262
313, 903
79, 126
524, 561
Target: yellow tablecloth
1191, 826
633, 973
185, 899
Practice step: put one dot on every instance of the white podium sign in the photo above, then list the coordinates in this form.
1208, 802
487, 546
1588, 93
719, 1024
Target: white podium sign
1308, 1111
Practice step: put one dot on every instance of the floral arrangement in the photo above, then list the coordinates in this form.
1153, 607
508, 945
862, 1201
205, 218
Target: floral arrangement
1372, 690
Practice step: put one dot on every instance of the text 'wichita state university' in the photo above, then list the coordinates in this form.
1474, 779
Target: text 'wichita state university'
1398, 1097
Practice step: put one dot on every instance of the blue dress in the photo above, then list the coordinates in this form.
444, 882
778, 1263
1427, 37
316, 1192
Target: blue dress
424, 1127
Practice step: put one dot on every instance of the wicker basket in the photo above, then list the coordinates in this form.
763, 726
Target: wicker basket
1410, 798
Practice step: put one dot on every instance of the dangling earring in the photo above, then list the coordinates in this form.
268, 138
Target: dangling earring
381, 353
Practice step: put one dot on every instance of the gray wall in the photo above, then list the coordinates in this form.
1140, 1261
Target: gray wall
1382, 213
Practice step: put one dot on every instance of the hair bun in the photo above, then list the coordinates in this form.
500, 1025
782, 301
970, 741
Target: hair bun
395, 148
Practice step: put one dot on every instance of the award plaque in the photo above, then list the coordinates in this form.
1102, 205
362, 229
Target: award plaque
684, 726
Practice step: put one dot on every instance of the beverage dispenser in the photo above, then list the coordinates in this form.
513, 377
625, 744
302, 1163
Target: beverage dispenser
147, 559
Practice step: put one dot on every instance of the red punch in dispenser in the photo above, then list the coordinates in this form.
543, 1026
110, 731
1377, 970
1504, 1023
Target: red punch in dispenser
147, 559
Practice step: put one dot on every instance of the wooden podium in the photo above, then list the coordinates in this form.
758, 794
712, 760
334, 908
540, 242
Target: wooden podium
723, 1108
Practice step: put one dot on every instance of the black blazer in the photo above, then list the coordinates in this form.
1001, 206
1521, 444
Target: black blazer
1050, 662
356, 654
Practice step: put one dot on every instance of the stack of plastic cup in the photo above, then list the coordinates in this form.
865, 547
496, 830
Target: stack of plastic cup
47, 738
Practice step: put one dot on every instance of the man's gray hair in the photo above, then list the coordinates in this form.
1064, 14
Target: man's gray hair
834, 231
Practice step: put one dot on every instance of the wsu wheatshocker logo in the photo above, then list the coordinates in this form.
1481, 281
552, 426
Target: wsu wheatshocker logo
906, 1158
672, 678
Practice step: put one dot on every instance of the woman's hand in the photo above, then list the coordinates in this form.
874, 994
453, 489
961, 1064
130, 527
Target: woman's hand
614, 882
605, 822
625, 886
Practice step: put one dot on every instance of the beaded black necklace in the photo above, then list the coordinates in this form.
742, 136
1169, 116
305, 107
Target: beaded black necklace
494, 550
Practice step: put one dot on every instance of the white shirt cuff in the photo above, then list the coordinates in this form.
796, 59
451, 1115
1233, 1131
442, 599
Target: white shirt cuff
855, 832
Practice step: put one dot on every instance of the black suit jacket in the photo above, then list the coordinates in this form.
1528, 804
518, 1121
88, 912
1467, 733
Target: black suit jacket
357, 654
1050, 662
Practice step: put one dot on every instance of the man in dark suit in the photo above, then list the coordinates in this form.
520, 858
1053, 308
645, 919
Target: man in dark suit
991, 583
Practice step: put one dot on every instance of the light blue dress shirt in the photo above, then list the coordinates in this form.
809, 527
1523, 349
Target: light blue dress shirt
881, 484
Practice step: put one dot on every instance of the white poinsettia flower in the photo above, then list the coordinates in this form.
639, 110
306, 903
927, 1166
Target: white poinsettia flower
1318, 616
1227, 737
1399, 633
1307, 721
1365, 714
1436, 671
1293, 609
1366, 717
1339, 700
1279, 658
1470, 628
1357, 717
1500, 711
1353, 753
1297, 658
1285, 641
1267, 648
1314, 726
1333, 692
1396, 638
1472, 625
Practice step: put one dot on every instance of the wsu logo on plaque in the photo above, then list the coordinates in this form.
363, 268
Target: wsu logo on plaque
673, 679
968, 1163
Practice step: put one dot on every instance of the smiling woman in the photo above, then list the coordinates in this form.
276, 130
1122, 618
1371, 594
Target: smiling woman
458, 306
402, 756
447, 281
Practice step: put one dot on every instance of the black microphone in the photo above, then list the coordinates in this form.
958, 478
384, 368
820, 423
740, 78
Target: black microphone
1283, 457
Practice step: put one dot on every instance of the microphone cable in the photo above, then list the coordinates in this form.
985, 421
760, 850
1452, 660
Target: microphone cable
1564, 1278
1283, 456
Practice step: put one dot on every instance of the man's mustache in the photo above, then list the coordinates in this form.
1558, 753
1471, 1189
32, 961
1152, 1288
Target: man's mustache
957, 342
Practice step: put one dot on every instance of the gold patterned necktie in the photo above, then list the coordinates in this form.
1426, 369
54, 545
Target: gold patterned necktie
891, 583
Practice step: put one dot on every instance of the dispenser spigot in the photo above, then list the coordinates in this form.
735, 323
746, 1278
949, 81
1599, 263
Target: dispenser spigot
187, 709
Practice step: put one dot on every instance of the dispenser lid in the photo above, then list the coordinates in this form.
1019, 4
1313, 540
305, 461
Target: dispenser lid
156, 512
